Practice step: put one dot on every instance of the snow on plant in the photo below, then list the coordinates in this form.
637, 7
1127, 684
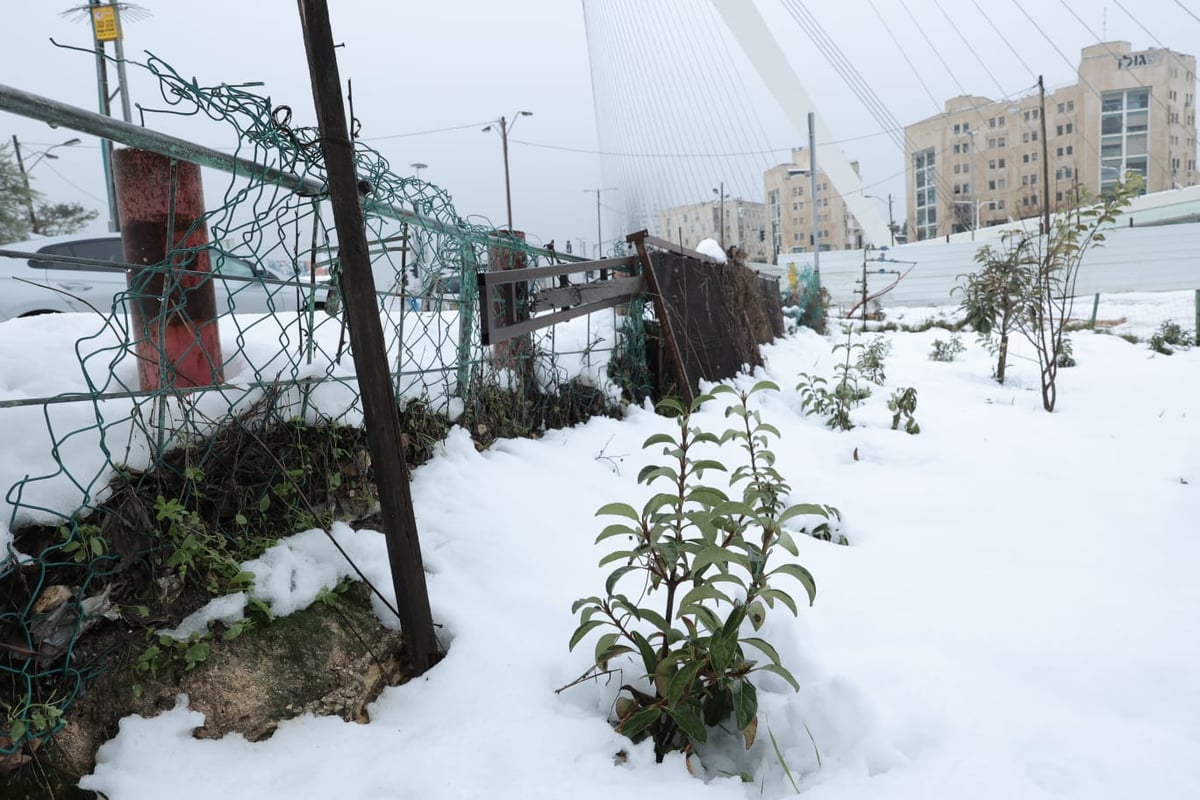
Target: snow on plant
706, 562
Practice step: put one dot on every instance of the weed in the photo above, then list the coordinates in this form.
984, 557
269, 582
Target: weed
948, 350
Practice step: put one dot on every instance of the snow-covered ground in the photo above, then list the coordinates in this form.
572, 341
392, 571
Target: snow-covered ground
1015, 617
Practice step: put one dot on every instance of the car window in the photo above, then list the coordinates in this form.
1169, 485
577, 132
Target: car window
100, 249
109, 250
230, 266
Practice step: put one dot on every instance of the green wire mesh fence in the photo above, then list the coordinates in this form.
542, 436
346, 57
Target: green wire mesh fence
74, 545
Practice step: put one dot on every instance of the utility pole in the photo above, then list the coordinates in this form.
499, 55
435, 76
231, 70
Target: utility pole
720, 193
891, 221
33, 223
812, 183
106, 27
599, 233
1045, 162
505, 127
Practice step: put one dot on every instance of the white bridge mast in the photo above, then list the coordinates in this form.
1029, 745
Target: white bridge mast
749, 28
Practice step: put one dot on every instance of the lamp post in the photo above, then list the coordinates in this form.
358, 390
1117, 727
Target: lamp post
974, 216
418, 166
599, 235
41, 154
505, 127
720, 193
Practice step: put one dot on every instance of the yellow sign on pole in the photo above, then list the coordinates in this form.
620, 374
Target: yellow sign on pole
104, 23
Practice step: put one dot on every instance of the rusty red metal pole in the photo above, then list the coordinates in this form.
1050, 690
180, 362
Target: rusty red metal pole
161, 206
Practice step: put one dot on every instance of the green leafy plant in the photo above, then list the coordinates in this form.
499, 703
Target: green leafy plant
1170, 337
1028, 283
817, 398
870, 360
1066, 354
948, 350
84, 544
705, 561
903, 405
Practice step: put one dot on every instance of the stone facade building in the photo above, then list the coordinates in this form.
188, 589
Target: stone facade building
983, 162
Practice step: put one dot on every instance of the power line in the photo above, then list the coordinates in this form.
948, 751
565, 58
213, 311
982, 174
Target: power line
1187, 10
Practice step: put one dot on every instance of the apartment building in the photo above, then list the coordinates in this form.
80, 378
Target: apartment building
744, 222
787, 188
983, 162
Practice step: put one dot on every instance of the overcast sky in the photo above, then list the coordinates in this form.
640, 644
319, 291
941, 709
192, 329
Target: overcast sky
423, 66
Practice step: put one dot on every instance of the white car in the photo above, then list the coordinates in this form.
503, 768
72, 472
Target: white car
46, 283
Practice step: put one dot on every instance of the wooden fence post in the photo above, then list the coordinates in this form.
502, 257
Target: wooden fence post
366, 340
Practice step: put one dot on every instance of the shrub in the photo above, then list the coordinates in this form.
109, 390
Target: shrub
1169, 337
949, 350
707, 562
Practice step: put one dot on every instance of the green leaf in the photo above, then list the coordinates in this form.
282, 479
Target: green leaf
705, 591
616, 575
652, 472
782, 672
803, 509
771, 595
699, 466
659, 438
619, 510
711, 554
649, 658
616, 529
654, 618
580, 603
681, 681
617, 555
707, 496
583, 630
745, 703
801, 574
764, 646
638, 721
603, 645
690, 723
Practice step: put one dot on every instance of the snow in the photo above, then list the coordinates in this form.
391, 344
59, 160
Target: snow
1015, 615
712, 249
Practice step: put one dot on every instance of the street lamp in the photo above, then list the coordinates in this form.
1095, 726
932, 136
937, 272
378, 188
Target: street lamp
599, 235
418, 166
505, 127
891, 219
41, 154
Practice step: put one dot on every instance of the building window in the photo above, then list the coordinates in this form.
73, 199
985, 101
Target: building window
1000, 142
1001, 162
926, 200
1000, 204
1124, 134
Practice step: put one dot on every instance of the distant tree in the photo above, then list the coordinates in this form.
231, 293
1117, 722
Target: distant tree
14, 199
52, 219
61, 218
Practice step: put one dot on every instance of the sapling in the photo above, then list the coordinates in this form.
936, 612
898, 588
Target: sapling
708, 565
